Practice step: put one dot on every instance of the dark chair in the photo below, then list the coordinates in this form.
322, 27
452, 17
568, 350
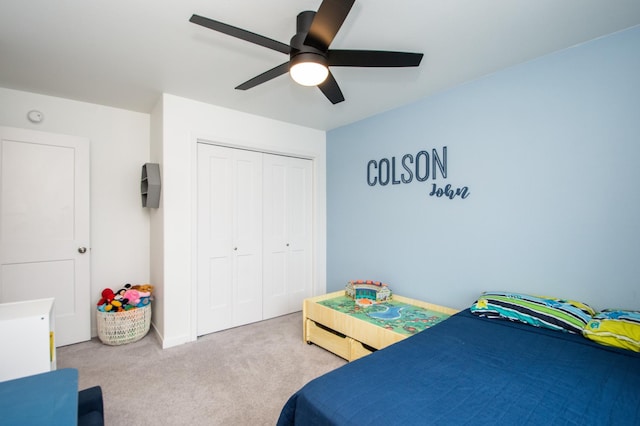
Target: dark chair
90, 408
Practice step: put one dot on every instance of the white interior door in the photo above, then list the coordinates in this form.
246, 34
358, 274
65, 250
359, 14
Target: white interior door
229, 261
288, 201
44, 226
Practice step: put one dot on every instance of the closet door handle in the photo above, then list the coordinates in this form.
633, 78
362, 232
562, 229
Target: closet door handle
235, 249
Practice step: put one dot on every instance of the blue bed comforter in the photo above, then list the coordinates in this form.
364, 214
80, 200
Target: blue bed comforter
468, 371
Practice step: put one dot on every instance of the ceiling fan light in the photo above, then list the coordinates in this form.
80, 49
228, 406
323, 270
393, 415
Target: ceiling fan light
308, 69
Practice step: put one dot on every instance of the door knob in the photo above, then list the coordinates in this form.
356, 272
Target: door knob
82, 250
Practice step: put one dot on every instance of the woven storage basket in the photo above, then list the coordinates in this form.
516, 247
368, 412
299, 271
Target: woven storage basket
119, 328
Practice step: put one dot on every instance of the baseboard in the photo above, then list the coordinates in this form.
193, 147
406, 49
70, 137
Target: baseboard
171, 342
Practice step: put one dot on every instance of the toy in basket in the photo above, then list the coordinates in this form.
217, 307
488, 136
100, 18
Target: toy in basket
124, 316
367, 293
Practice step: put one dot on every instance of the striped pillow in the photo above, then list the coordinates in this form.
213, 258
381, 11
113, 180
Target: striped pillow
539, 311
615, 328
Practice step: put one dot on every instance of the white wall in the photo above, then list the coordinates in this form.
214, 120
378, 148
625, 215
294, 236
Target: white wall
184, 122
119, 147
156, 249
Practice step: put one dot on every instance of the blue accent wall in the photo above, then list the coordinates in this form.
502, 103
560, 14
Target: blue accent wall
549, 154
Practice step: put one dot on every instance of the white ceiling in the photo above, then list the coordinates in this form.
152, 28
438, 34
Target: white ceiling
125, 53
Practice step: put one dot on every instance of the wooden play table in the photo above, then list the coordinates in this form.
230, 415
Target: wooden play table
336, 323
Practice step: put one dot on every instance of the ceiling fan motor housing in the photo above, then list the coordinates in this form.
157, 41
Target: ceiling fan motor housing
299, 50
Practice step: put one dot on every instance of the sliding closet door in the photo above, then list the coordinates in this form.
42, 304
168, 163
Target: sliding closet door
229, 270
287, 197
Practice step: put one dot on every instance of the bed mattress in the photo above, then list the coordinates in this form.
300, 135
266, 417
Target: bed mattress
471, 370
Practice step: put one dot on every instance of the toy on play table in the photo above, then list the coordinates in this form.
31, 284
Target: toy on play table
367, 292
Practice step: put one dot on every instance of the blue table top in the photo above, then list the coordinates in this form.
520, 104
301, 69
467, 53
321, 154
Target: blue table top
43, 399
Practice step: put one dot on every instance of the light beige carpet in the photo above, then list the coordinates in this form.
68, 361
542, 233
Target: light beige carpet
241, 376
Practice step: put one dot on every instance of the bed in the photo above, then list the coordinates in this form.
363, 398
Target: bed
475, 370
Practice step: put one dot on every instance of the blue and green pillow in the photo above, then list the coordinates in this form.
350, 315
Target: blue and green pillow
539, 311
614, 327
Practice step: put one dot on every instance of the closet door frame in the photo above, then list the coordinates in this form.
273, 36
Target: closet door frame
318, 275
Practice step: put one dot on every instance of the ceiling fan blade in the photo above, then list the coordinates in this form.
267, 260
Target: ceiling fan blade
326, 23
372, 58
240, 33
331, 89
265, 76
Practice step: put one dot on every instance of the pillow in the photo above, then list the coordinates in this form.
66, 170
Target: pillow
617, 328
539, 311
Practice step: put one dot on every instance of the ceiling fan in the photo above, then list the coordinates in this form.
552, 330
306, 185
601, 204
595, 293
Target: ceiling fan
309, 53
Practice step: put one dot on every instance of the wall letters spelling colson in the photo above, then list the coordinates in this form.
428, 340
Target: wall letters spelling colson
420, 167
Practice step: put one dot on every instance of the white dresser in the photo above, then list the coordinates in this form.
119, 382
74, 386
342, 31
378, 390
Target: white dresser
27, 338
